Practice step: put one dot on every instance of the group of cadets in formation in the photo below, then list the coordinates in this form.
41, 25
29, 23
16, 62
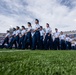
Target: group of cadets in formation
37, 38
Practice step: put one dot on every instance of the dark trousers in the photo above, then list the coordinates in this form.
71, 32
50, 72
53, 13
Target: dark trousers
63, 45
36, 40
24, 44
12, 42
41, 43
48, 42
57, 44
28, 40
73, 47
21, 42
6, 40
17, 40
68, 45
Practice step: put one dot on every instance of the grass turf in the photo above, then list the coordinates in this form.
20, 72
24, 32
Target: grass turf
27, 62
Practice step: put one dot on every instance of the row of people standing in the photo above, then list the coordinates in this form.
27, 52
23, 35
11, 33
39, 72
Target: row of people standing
37, 38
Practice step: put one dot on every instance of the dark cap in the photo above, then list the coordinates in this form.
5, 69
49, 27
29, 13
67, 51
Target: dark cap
14, 29
37, 20
8, 31
18, 27
41, 27
23, 27
56, 29
47, 24
29, 23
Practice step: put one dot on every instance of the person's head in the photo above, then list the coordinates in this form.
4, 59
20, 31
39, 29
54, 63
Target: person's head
29, 24
8, 31
17, 27
71, 36
14, 29
23, 27
56, 29
61, 33
47, 25
66, 35
41, 27
36, 21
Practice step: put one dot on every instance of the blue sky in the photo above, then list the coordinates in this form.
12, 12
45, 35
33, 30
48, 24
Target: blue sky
59, 14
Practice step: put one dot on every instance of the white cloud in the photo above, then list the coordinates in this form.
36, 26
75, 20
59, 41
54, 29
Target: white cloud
51, 11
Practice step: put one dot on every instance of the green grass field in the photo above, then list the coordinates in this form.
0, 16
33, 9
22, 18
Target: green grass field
27, 62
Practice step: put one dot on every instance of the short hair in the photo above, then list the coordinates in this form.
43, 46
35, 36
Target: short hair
47, 24
18, 27
41, 27
29, 23
8, 31
23, 27
56, 29
61, 32
14, 29
37, 20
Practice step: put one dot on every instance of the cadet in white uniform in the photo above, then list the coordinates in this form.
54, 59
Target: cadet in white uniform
36, 36
73, 45
22, 37
48, 42
28, 39
42, 34
17, 35
62, 41
70, 42
67, 41
57, 40
6, 40
13, 40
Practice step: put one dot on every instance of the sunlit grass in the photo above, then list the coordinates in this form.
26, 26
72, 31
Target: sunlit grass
38, 62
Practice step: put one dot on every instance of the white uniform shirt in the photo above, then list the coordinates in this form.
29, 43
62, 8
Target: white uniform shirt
37, 26
73, 44
7, 35
67, 39
53, 37
14, 33
29, 29
32, 33
42, 32
48, 30
23, 32
17, 32
70, 40
56, 35
62, 37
